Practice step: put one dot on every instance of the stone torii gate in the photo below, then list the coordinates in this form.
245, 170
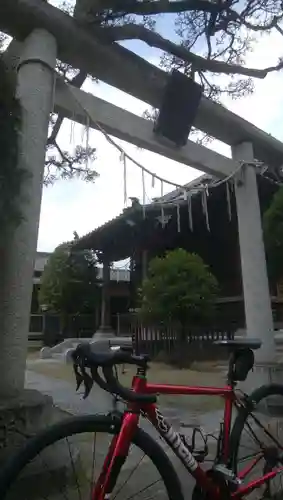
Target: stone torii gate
76, 103
46, 33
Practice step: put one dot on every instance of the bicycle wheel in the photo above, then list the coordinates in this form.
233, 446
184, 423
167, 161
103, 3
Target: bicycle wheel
256, 433
37, 472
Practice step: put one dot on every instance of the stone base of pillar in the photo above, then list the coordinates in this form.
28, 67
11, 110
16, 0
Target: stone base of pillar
50, 474
20, 419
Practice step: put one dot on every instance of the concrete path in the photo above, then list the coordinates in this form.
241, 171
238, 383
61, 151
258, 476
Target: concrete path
66, 398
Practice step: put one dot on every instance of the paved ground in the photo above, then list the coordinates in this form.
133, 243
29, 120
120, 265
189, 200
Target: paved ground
65, 397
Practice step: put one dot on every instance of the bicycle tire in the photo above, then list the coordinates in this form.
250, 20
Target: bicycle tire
84, 424
255, 397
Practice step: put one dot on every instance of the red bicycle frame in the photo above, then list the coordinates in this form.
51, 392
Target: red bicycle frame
120, 444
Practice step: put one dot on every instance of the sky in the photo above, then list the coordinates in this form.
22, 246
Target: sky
70, 206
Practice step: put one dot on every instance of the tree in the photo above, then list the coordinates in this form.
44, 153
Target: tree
59, 164
208, 38
273, 236
69, 281
179, 289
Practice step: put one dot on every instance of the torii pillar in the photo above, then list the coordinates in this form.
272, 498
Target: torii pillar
35, 89
258, 311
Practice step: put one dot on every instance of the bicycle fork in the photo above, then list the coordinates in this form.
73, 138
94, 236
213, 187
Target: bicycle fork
116, 457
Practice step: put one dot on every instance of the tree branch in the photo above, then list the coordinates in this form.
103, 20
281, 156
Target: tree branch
137, 31
69, 165
232, 15
62, 154
160, 7
77, 82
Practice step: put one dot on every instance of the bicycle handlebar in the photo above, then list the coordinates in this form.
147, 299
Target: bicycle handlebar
85, 357
124, 392
98, 379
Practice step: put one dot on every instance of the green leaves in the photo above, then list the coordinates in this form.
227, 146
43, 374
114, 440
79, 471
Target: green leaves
69, 281
179, 288
273, 236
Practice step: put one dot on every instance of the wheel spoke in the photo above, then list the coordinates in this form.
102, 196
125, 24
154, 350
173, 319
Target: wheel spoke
74, 470
143, 489
92, 466
129, 477
73, 453
256, 434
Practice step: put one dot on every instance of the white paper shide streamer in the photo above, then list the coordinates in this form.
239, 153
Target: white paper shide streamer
87, 139
190, 212
72, 130
123, 159
143, 192
162, 217
53, 92
178, 218
205, 208
72, 133
228, 197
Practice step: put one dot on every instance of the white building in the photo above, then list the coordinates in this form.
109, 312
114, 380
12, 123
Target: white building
42, 258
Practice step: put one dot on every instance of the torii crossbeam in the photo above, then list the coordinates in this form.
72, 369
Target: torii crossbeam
126, 71
77, 104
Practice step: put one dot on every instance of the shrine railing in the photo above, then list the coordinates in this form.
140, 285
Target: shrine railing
165, 342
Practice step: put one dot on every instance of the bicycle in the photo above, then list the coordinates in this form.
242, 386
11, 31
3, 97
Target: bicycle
223, 480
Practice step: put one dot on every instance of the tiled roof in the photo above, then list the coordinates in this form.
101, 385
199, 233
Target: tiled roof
176, 194
94, 238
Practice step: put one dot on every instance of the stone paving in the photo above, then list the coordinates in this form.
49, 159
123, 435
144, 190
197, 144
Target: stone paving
66, 398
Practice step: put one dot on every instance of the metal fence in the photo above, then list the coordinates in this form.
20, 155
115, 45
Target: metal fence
152, 339
51, 328
164, 341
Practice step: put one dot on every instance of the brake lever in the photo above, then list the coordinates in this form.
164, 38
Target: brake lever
83, 377
88, 382
79, 377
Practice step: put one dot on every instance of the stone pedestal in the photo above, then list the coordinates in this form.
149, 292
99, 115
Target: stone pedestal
22, 417
49, 475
